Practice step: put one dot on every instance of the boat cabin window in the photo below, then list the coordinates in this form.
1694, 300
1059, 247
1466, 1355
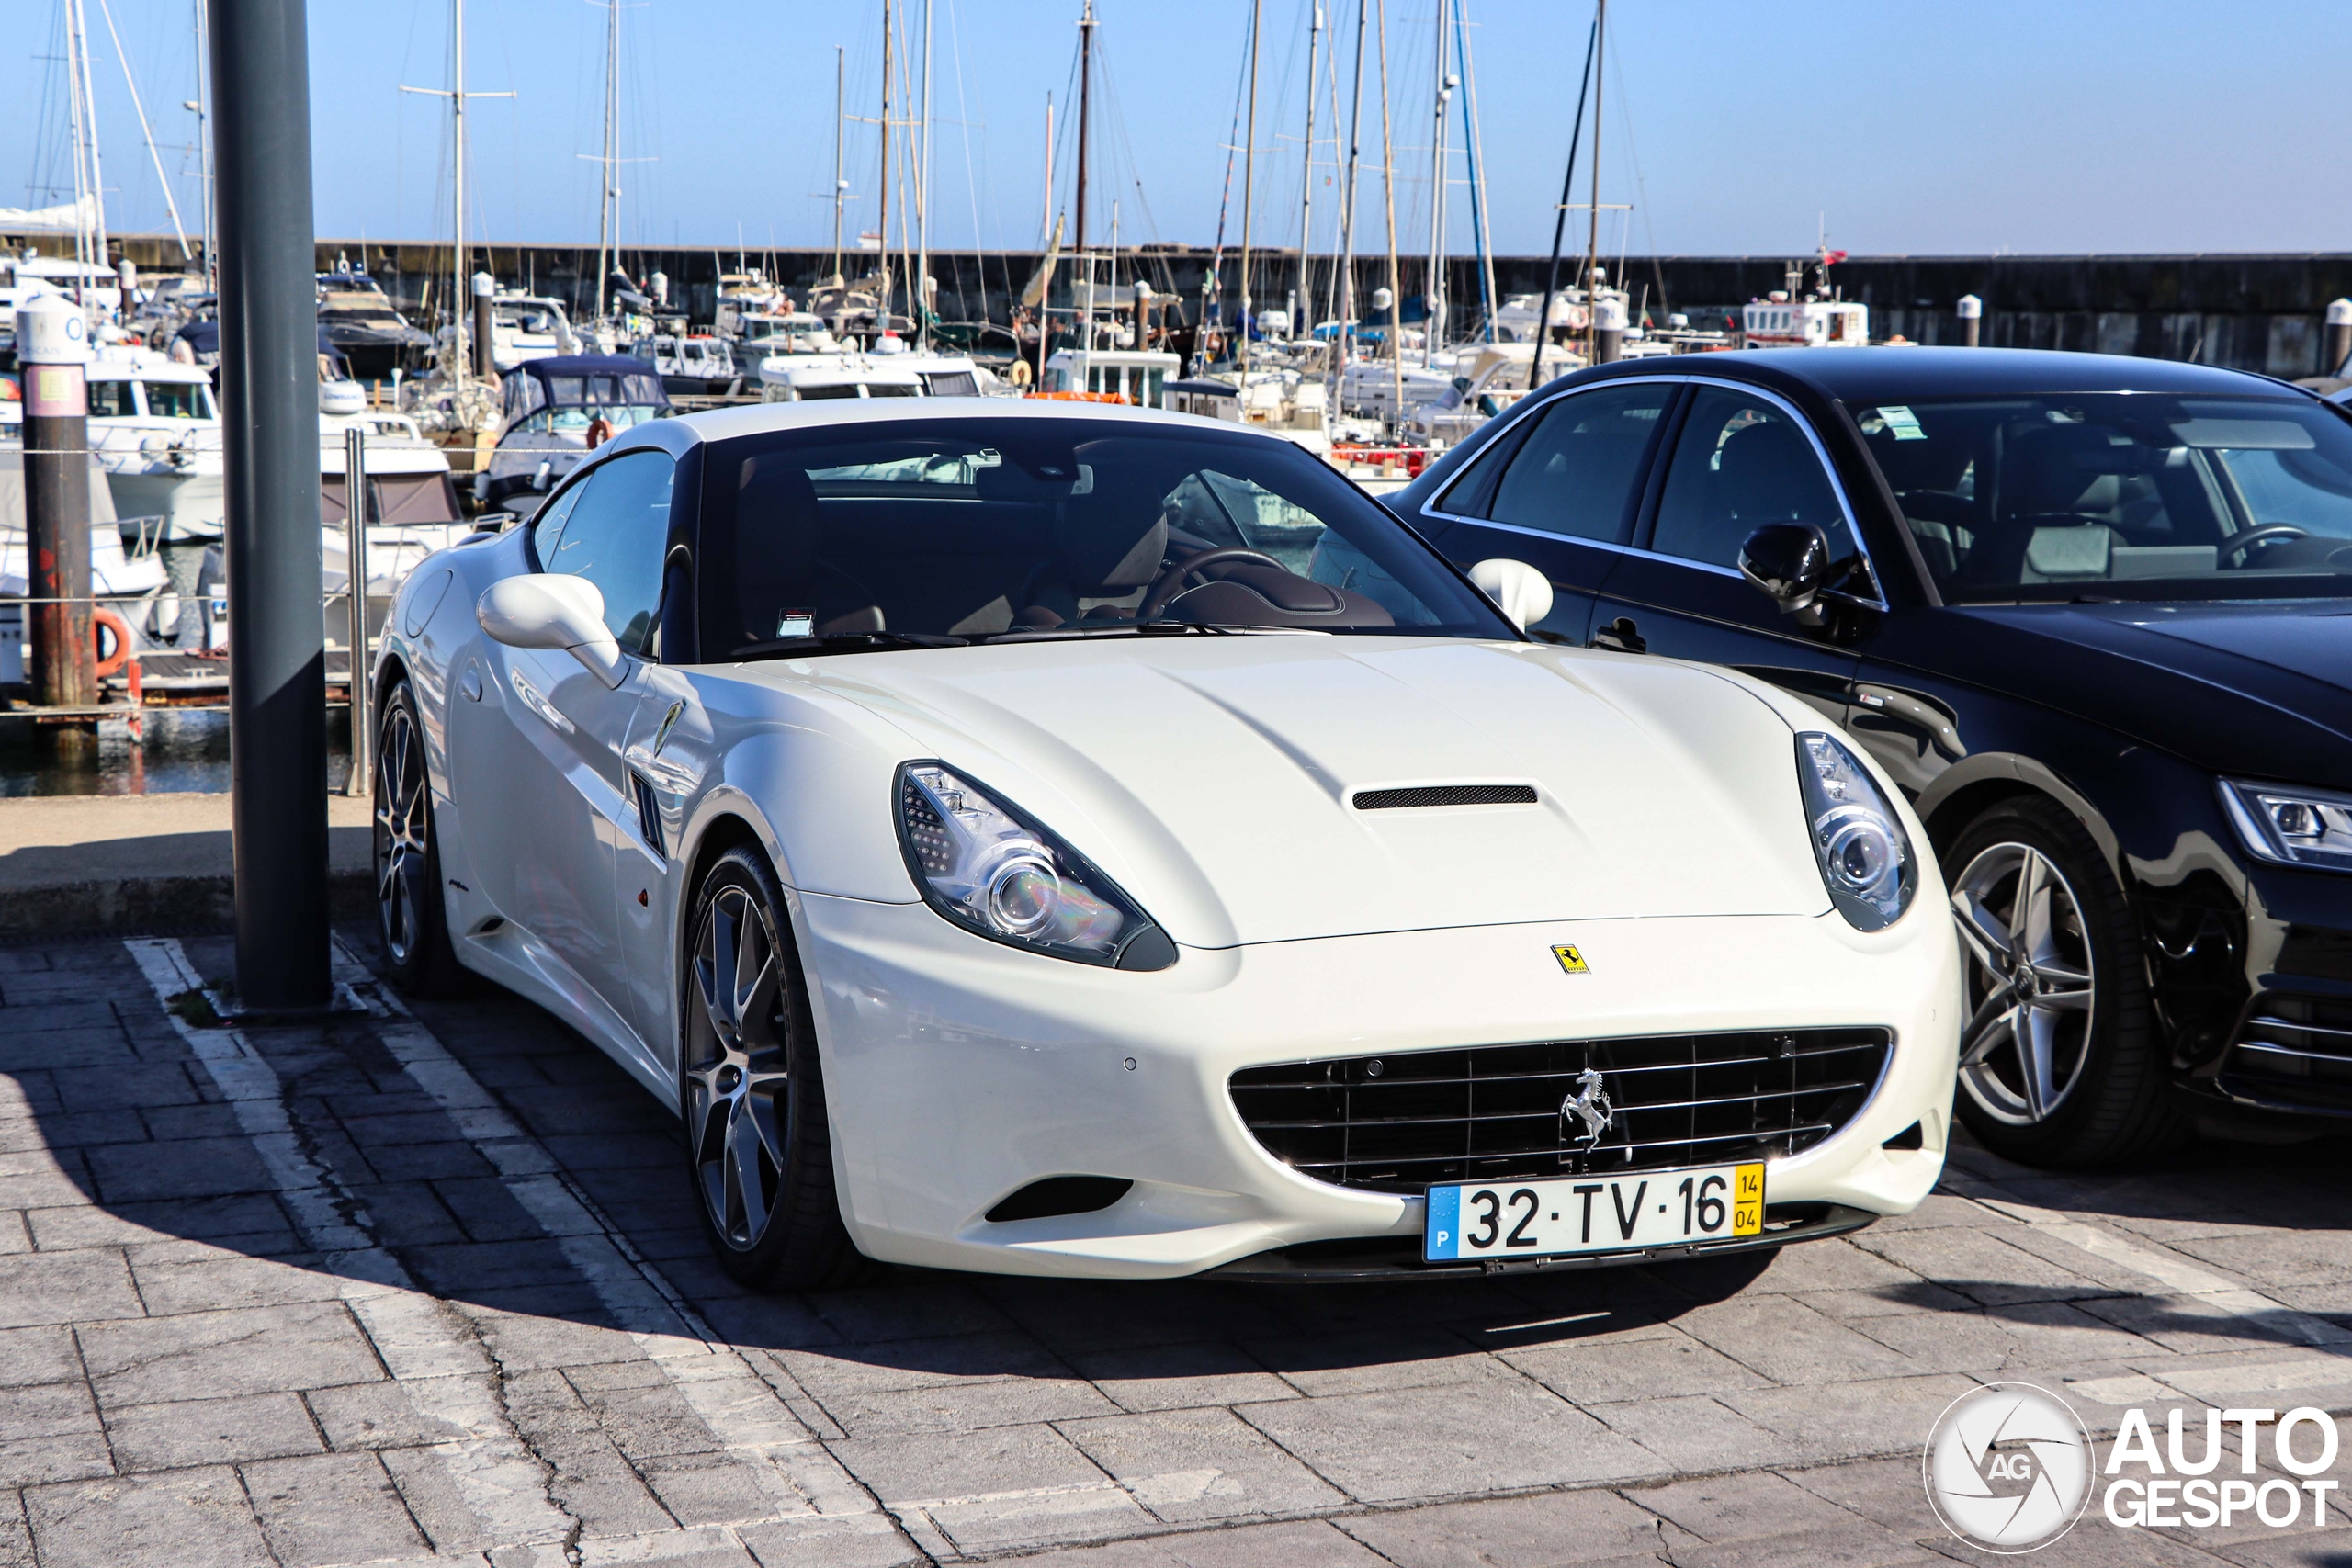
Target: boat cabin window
843, 390
178, 399
891, 389
952, 384
112, 399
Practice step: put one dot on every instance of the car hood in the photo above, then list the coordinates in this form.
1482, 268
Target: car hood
1215, 777
2247, 688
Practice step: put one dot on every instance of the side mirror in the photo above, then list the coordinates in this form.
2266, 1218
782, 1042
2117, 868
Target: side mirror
1521, 593
553, 610
1790, 561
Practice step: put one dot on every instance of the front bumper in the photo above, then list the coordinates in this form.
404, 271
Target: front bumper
2289, 1056
959, 1071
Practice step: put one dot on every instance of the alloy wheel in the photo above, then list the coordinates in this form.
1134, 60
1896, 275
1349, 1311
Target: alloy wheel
400, 828
738, 1089
2030, 984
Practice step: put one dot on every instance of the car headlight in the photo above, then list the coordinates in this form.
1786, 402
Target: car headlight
989, 869
1866, 858
2292, 825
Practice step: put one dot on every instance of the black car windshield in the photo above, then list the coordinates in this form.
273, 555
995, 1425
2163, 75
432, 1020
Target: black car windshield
2121, 494
1022, 527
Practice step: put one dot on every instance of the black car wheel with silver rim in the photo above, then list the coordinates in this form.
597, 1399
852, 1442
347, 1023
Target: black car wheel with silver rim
750, 1090
2059, 1062
409, 915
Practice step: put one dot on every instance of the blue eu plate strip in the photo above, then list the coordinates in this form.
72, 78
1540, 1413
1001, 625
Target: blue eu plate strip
1442, 1239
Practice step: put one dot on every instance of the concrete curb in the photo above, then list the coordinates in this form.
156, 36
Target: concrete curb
148, 903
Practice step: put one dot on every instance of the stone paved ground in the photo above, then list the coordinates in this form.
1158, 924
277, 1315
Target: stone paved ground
402, 1288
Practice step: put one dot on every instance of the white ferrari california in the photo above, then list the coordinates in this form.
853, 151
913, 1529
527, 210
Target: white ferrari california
1059, 840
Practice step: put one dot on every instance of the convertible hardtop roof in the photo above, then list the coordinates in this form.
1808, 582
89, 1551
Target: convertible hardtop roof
1868, 375
759, 418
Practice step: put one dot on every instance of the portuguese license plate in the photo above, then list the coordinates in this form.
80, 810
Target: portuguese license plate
1559, 1216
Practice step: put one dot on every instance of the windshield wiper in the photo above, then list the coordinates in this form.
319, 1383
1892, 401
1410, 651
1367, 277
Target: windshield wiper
846, 642
1122, 628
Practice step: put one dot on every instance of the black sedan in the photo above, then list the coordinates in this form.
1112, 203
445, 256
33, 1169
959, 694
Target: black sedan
2095, 614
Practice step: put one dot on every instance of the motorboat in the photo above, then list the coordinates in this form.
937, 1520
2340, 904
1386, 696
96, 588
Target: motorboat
1779, 321
806, 378
551, 407
1136, 376
156, 432
127, 580
760, 334
749, 292
523, 327
1495, 377
692, 365
359, 319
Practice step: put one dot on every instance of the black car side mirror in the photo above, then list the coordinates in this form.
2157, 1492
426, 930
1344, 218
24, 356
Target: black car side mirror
1790, 561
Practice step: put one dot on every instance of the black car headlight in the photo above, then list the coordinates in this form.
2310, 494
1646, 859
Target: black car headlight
1866, 858
990, 869
2291, 824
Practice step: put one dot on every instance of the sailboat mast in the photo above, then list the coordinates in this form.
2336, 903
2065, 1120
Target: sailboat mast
840, 184
1433, 293
1395, 268
1343, 281
885, 208
81, 64
1085, 91
1593, 245
607, 225
1306, 170
1249, 181
75, 119
204, 135
457, 186
922, 198
1473, 148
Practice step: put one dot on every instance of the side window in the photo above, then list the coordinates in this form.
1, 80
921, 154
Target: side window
1742, 462
614, 536
1575, 473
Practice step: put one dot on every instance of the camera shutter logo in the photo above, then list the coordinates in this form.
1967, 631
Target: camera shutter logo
2009, 1468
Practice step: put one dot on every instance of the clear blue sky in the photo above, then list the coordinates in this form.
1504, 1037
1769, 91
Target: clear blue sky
1733, 127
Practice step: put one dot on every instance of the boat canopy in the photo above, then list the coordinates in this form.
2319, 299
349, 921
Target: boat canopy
582, 381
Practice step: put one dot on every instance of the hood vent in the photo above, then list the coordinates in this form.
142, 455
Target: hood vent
1445, 795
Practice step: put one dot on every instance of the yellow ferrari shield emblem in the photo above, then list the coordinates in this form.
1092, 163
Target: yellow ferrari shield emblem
1571, 961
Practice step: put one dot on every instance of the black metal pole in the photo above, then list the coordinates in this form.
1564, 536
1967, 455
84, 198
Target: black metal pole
1560, 219
277, 739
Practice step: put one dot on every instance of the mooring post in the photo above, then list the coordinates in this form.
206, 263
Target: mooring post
1971, 320
485, 289
261, 77
361, 780
53, 347
2338, 347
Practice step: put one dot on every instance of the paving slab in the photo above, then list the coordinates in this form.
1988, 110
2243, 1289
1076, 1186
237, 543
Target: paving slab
186, 1376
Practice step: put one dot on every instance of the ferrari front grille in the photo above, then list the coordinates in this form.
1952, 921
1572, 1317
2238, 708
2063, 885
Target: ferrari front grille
1395, 1124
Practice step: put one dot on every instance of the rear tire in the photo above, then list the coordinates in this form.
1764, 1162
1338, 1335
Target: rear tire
412, 915
752, 1092
2060, 1061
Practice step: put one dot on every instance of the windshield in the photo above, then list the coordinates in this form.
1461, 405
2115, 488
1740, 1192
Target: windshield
2117, 494
968, 528
178, 399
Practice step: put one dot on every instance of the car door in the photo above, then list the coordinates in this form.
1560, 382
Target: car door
555, 754
1741, 459
1560, 493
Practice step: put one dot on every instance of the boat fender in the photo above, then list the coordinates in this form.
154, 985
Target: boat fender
112, 637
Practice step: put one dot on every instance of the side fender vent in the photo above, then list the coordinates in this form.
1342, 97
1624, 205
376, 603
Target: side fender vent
1445, 795
649, 814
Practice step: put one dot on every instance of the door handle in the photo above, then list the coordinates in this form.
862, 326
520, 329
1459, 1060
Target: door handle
1620, 636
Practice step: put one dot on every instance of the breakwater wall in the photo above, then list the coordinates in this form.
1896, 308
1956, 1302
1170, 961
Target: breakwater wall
2249, 312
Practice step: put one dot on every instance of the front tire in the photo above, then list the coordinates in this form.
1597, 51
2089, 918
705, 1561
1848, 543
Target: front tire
2060, 1062
759, 1147
411, 918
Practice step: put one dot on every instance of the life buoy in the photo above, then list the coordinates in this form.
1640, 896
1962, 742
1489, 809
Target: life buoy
600, 430
105, 624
